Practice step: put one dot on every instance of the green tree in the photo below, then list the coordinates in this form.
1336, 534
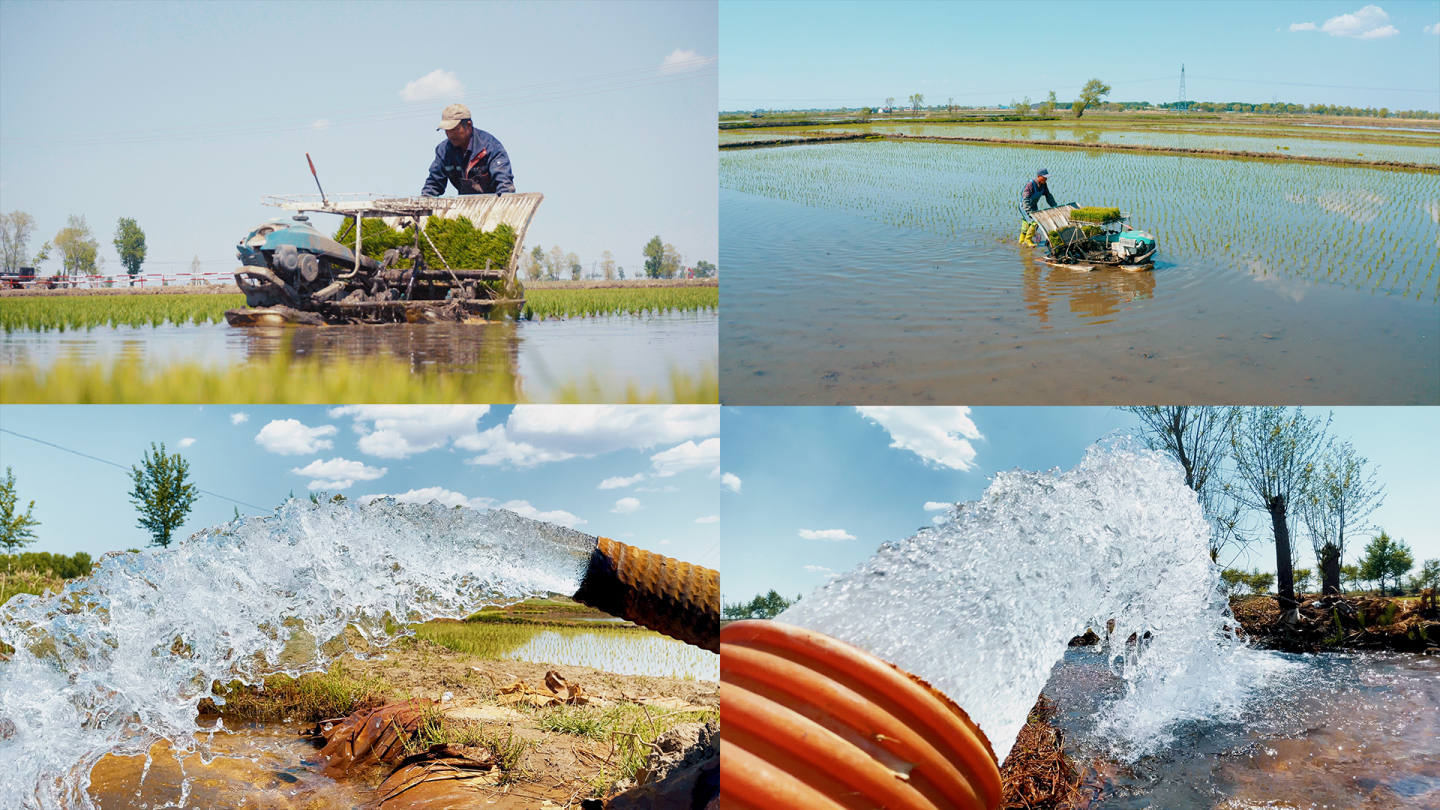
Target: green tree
15, 230
1047, 107
15, 528
1090, 96
554, 263
704, 269
1303, 577
1275, 457
607, 266
572, 262
1198, 438
654, 257
162, 493
536, 264
1429, 576
1340, 500
130, 244
767, 606
916, 99
670, 261
1022, 107
42, 256
79, 252
1386, 559
890, 104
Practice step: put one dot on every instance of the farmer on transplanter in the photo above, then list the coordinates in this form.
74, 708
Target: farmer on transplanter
1029, 197
470, 159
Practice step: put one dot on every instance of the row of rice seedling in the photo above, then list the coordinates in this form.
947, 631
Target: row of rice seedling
381, 378
62, 312
622, 650
44, 313
1423, 149
1370, 229
549, 303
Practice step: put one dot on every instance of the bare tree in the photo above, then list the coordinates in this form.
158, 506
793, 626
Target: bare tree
916, 99
1340, 500
607, 265
1275, 458
1198, 437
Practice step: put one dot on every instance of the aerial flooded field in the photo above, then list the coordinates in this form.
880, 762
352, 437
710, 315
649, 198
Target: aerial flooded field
637, 344
888, 271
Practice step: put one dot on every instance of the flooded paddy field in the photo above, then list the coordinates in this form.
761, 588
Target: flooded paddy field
888, 272
532, 360
1330, 730
1379, 144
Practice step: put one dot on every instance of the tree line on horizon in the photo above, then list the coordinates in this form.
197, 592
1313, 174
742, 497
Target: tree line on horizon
76, 246
662, 260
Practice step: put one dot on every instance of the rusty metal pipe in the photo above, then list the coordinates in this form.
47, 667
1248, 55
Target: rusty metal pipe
664, 594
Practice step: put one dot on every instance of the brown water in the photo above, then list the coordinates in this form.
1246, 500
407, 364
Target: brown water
265, 766
1335, 731
827, 307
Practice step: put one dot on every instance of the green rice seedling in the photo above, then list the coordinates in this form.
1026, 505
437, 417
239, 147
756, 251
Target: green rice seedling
1095, 214
311, 697
69, 312
28, 581
461, 244
550, 303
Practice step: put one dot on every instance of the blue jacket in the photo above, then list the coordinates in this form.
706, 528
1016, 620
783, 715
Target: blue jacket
1032, 193
483, 168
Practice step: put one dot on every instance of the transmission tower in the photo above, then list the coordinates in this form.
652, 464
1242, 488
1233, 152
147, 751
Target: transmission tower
1182, 104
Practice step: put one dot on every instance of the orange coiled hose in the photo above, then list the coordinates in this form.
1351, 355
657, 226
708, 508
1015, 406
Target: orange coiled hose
662, 593
813, 723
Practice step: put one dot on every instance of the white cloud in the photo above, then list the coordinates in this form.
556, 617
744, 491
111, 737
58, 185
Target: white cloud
826, 534
338, 473
938, 435
818, 569
401, 431
537, 434
322, 123
625, 506
428, 494
557, 516
731, 482
687, 456
708, 519
682, 60
619, 482
1367, 23
931, 506
185, 442
666, 488
239, 417
435, 84
288, 437
1433, 29
498, 450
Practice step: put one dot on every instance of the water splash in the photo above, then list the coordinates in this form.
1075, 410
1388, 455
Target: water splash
123, 657
982, 607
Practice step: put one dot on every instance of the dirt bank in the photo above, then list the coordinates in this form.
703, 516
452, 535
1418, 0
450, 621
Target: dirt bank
1341, 623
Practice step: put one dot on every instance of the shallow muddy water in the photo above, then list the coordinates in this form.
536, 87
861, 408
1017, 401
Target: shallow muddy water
1333, 731
264, 766
545, 355
845, 287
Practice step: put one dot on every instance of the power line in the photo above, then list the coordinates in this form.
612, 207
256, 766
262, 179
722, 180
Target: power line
123, 467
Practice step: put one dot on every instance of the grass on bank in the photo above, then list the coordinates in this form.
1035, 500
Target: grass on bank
71, 312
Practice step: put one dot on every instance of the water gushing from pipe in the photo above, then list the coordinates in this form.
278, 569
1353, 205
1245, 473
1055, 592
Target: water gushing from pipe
982, 607
123, 657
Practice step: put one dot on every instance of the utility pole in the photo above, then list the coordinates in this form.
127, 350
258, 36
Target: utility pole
1183, 105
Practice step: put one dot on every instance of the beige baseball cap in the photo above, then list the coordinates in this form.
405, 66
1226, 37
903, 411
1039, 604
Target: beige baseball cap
453, 115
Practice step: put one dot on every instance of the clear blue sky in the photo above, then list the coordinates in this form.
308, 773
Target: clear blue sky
182, 115
658, 465
830, 54
833, 473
